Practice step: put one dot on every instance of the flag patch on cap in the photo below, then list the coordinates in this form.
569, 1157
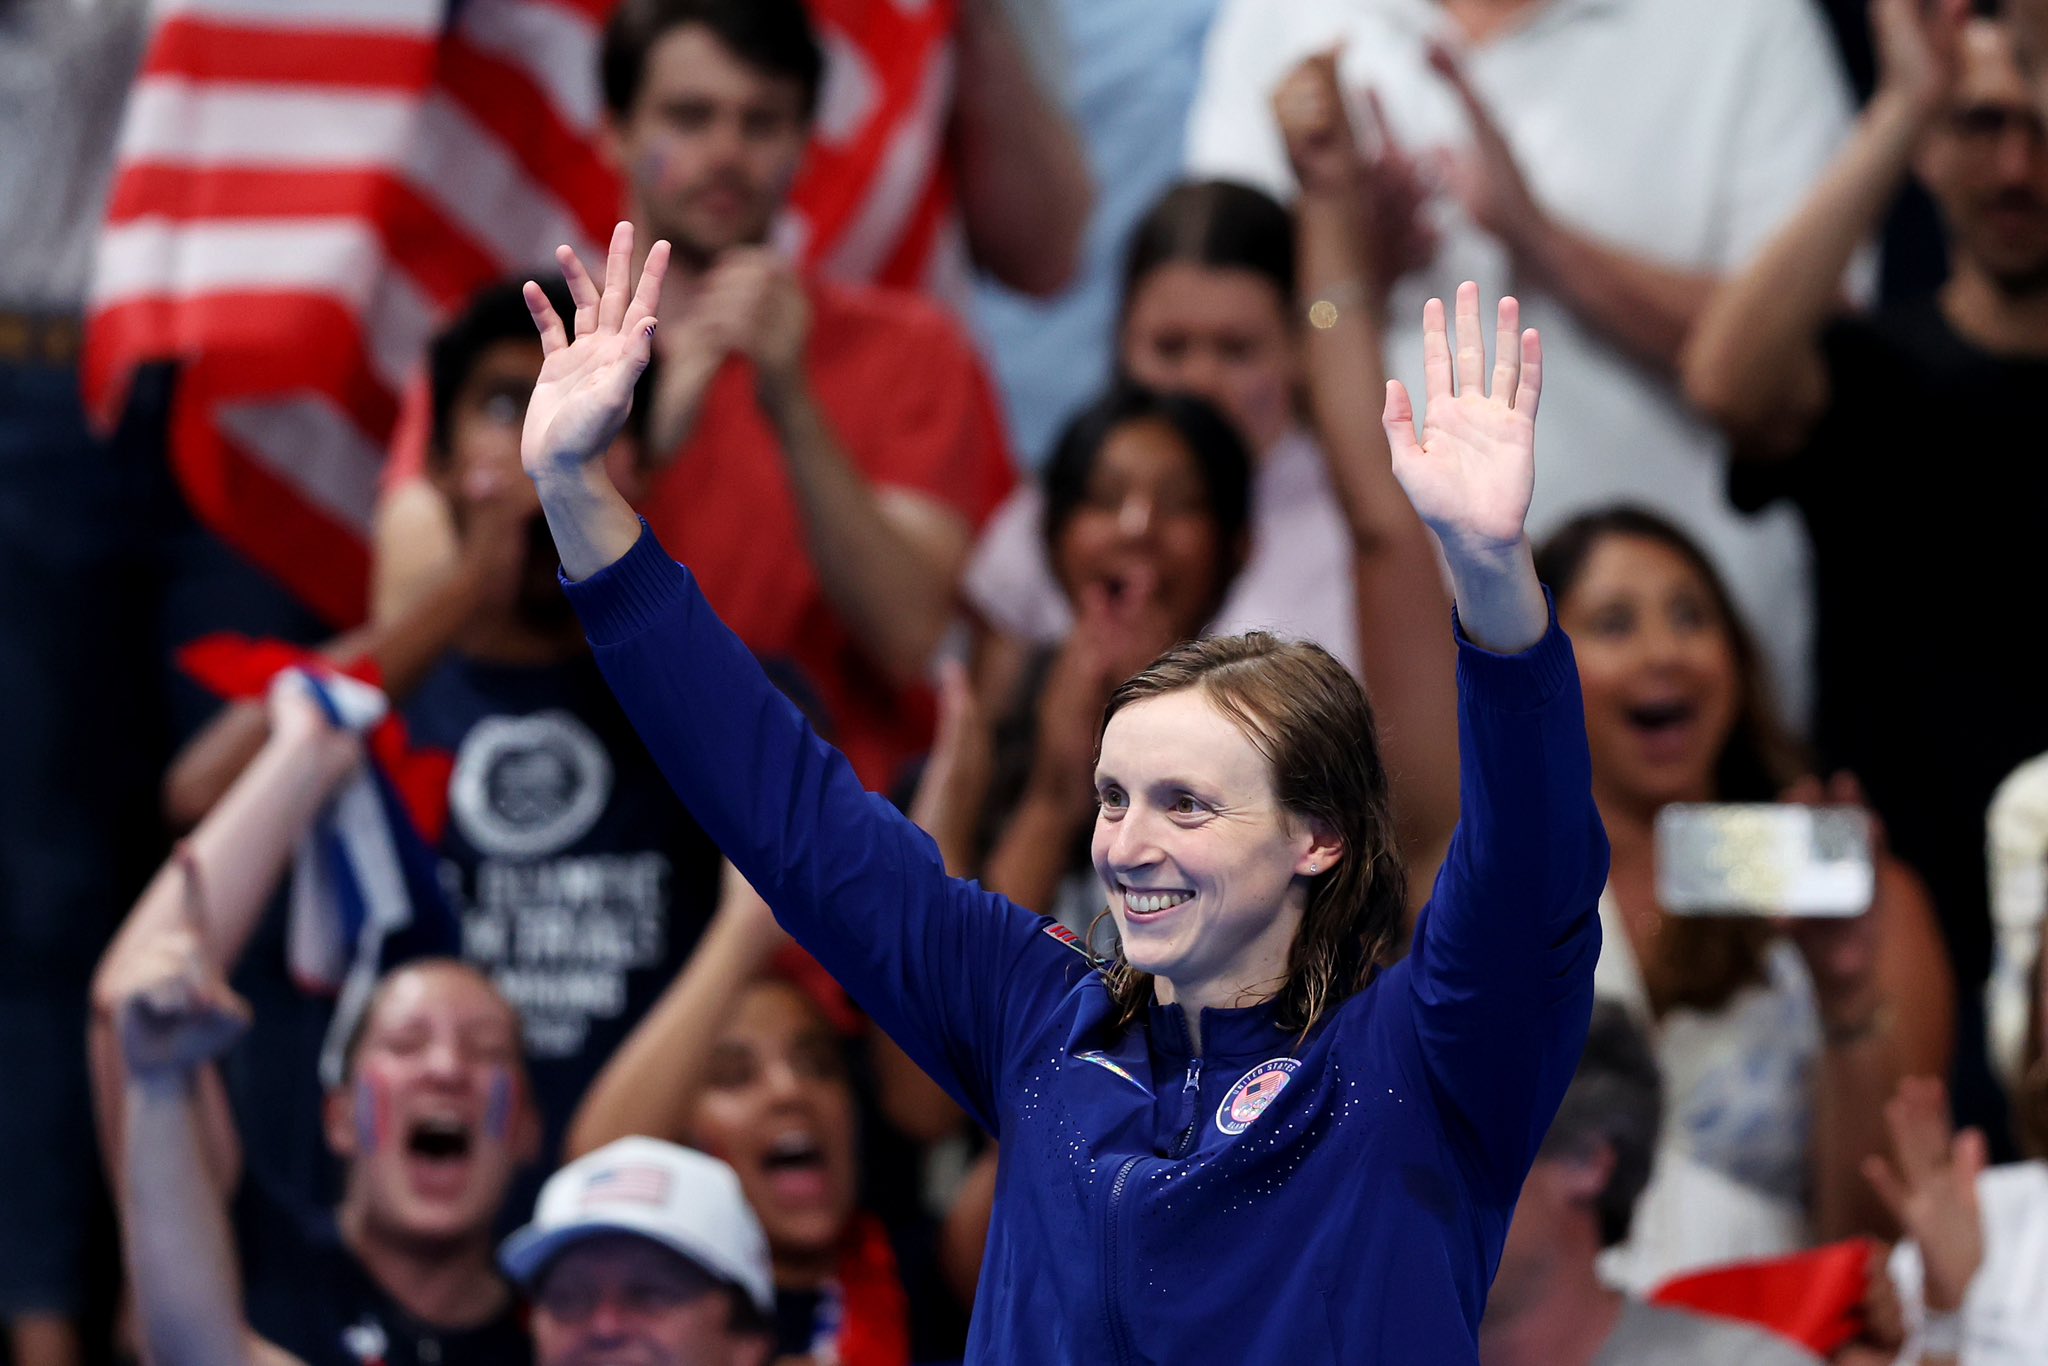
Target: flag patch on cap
632, 1185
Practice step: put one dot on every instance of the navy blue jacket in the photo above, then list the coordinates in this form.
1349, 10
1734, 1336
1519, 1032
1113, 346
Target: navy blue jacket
1342, 1198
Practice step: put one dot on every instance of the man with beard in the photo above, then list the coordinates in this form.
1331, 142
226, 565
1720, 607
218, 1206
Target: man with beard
1840, 414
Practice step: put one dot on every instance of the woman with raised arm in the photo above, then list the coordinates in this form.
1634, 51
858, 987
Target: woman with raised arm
1243, 1138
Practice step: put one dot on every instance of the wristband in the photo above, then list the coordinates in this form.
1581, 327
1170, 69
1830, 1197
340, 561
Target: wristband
1941, 1333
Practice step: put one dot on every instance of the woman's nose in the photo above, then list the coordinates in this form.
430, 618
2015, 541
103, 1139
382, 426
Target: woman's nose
1135, 516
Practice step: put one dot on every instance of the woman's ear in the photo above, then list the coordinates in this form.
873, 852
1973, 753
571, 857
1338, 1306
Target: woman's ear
1322, 851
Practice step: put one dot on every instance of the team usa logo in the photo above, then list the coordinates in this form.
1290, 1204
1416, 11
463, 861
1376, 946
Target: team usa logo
1252, 1093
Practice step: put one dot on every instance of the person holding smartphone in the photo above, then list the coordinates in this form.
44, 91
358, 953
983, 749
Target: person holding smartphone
1241, 1137
1779, 1041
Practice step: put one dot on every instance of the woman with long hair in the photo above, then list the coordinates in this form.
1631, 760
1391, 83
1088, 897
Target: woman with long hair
1779, 1043
1243, 1137
1208, 309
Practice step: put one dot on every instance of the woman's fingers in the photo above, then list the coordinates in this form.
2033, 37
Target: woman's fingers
648, 295
1507, 350
1398, 418
1470, 351
1436, 353
545, 320
618, 269
1529, 390
582, 292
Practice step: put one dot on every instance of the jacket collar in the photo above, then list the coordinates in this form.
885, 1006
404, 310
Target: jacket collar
1239, 1032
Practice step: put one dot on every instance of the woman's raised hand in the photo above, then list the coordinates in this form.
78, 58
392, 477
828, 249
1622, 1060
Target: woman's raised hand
1473, 471
586, 382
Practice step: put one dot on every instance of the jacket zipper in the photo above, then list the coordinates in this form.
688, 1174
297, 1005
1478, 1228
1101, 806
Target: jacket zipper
1119, 1331
1190, 1108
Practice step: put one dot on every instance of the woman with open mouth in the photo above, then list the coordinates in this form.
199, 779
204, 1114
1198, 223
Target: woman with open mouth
1243, 1138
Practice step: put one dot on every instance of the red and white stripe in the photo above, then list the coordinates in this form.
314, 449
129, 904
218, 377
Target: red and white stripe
306, 188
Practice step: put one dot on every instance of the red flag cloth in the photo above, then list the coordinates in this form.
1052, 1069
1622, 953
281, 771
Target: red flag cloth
304, 192
875, 1327
239, 669
1814, 1298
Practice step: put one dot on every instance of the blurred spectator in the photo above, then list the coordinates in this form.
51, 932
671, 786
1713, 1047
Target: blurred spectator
74, 811
1777, 1049
1606, 160
1548, 1306
938, 144
1208, 309
647, 1252
1129, 71
825, 504
1355, 212
1836, 413
1969, 1281
431, 1118
580, 881
746, 1066
1145, 513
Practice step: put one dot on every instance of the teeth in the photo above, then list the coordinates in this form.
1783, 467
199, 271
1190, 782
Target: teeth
793, 1145
1147, 903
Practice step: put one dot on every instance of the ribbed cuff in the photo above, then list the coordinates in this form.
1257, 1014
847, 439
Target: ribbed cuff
1522, 681
623, 598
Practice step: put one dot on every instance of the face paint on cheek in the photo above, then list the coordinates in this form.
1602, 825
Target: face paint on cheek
498, 1111
373, 1114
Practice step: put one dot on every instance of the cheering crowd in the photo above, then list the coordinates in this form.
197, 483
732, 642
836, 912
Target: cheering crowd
477, 982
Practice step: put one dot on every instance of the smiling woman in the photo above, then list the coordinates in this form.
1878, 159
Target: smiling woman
1259, 1150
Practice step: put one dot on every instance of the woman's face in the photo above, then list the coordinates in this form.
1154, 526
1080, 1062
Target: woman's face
1207, 875
1219, 333
777, 1105
1145, 515
1658, 668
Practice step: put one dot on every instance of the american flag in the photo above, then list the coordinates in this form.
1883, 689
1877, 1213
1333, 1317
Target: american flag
304, 189
630, 1184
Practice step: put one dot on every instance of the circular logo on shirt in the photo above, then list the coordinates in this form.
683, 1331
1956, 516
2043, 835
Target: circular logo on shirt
1248, 1098
529, 786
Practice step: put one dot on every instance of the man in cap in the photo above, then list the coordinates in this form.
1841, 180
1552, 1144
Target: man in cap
648, 1248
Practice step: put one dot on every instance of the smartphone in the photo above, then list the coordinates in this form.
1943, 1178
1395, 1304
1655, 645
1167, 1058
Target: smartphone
1764, 859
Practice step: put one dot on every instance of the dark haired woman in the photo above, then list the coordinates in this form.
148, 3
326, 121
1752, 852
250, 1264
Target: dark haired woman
1208, 309
1778, 1048
1240, 1140
1146, 507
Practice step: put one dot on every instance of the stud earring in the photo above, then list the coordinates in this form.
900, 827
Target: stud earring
1315, 868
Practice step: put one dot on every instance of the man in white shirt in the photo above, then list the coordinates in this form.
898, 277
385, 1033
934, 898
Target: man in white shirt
1610, 159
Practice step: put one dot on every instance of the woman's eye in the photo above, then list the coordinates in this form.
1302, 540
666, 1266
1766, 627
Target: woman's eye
1184, 805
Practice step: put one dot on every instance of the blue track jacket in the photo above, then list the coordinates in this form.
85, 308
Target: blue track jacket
1273, 1200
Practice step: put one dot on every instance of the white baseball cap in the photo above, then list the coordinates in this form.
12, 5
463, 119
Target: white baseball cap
685, 1200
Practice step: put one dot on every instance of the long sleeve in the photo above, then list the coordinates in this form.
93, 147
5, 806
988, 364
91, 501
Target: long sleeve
1502, 967
947, 969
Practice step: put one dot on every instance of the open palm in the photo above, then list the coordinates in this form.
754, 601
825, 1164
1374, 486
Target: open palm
1473, 471
586, 382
